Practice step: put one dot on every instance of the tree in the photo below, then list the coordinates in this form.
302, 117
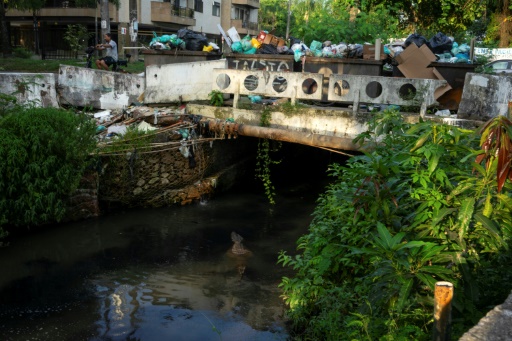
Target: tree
74, 36
272, 16
499, 28
448, 16
340, 21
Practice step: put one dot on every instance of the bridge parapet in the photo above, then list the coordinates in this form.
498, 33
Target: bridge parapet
384, 90
342, 88
292, 85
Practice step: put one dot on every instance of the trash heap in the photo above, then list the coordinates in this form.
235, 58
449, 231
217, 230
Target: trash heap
443, 47
184, 39
266, 43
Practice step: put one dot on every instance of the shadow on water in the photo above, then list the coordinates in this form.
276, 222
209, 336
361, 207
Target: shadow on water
163, 274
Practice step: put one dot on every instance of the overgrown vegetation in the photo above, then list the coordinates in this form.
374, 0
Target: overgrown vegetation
216, 98
264, 160
426, 204
44, 153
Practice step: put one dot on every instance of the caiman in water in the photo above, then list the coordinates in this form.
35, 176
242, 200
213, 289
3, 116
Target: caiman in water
238, 248
240, 252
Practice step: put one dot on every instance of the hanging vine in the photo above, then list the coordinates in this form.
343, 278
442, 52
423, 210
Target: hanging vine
263, 159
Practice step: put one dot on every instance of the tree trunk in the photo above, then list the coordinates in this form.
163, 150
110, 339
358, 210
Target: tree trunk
4, 29
505, 25
105, 20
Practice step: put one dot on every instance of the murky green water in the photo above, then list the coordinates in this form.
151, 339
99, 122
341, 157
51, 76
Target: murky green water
156, 274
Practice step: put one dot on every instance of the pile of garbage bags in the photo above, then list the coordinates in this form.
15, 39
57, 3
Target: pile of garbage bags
445, 48
327, 50
184, 39
252, 45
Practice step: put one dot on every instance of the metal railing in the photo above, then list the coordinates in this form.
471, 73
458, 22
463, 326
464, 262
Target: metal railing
59, 54
64, 4
183, 12
250, 25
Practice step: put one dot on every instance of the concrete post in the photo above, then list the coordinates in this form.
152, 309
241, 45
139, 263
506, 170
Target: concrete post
443, 295
378, 44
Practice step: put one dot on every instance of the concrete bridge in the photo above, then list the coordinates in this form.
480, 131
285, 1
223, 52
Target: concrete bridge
331, 126
484, 96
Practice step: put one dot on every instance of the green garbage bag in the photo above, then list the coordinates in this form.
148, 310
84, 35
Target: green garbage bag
315, 45
237, 47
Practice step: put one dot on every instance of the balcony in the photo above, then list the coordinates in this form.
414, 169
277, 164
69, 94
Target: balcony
164, 13
63, 9
245, 27
250, 3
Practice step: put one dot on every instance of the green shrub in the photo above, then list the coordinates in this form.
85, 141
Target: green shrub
424, 206
44, 152
21, 52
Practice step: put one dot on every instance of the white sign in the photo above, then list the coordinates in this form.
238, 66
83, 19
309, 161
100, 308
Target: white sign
103, 24
123, 30
494, 54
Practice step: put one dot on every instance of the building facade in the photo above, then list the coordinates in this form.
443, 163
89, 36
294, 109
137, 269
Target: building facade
42, 31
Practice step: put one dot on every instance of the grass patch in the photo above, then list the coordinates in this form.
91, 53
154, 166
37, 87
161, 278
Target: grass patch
45, 66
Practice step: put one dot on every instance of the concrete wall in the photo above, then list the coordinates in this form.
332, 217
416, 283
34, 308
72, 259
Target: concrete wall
485, 96
321, 121
30, 88
180, 82
82, 87
494, 326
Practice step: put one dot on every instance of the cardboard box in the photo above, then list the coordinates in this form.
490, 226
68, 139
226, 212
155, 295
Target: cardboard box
369, 52
273, 40
414, 62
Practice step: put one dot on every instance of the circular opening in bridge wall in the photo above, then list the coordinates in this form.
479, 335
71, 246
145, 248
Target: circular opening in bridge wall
279, 84
251, 82
309, 86
223, 81
407, 92
373, 89
341, 88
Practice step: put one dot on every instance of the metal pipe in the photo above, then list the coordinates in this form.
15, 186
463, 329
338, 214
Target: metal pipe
308, 139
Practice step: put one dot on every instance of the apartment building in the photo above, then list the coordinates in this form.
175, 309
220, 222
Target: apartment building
42, 31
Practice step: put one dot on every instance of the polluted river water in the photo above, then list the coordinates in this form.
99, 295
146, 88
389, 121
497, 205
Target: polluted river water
158, 274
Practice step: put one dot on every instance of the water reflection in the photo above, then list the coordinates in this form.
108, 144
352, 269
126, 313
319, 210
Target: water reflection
155, 274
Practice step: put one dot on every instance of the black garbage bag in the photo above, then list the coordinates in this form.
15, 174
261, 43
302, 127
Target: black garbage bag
294, 41
415, 38
440, 43
267, 49
354, 51
193, 41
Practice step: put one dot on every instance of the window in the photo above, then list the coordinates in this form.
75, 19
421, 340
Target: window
240, 14
216, 9
198, 6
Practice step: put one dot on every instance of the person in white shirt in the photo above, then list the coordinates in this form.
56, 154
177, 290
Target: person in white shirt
111, 56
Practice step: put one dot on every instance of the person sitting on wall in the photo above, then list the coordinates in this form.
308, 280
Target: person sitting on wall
111, 57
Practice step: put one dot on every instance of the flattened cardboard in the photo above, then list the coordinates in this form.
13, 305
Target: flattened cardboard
414, 62
442, 90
